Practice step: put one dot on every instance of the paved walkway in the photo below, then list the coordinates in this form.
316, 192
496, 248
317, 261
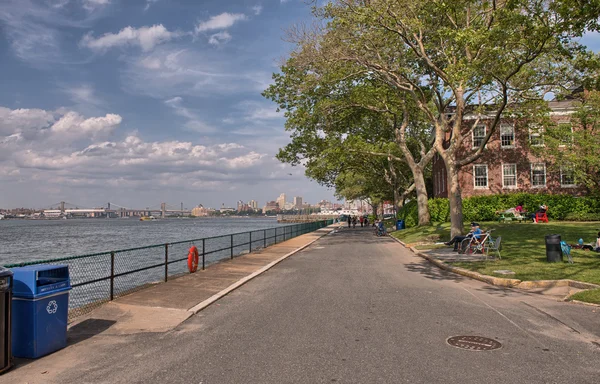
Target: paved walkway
350, 308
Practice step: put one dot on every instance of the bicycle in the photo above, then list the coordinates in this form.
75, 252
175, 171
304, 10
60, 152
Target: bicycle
472, 244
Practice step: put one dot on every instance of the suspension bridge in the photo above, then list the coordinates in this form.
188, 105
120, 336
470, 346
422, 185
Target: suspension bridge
112, 210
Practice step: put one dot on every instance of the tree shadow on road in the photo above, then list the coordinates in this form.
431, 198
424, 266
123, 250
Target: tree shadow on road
433, 272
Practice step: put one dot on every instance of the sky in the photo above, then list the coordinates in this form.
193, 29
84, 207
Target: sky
138, 102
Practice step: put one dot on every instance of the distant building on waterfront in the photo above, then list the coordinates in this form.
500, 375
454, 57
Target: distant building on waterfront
281, 201
253, 204
200, 211
225, 209
298, 202
272, 206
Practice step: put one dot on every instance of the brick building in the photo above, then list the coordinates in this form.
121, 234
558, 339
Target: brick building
508, 164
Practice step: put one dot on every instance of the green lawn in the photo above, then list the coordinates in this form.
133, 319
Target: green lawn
524, 251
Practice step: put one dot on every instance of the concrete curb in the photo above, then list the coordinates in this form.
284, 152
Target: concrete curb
198, 307
503, 282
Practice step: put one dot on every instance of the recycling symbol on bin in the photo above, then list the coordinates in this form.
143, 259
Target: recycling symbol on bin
52, 307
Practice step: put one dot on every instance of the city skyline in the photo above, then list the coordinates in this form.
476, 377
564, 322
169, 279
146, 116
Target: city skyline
140, 103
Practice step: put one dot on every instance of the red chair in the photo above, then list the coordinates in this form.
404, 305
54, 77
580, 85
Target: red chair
541, 217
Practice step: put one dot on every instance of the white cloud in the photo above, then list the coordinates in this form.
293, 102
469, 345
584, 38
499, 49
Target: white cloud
257, 9
83, 94
194, 123
144, 37
150, 63
175, 103
219, 38
148, 4
222, 21
73, 126
167, 72
92, 5
57, 3
54, 156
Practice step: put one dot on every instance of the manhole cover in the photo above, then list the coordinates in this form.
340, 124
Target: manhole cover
474, 343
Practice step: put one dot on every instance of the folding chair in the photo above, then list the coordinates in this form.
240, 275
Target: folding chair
541, 217
494, 246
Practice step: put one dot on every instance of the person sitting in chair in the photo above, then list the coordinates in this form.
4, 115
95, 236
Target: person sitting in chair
541, 210
456, 240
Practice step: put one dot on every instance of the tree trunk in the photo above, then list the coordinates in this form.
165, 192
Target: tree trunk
455, 200
422, 206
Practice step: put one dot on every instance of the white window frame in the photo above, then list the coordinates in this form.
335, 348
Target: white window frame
487, 177
558, 124
504, 186
539, 134
572, 185
478, 137
545, 176
512, 127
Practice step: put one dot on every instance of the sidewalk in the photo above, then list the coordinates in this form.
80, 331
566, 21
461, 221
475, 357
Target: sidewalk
163, 306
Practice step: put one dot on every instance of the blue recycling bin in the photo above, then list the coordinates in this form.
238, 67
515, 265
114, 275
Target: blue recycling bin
40, 310
400, 224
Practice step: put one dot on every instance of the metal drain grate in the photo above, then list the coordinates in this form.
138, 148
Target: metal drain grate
474, 343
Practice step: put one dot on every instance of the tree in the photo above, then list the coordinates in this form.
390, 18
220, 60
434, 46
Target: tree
572, 148
335, 100
454, 58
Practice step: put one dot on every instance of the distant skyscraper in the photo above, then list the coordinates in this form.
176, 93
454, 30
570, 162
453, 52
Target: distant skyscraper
281, 201
298, 202
253, 204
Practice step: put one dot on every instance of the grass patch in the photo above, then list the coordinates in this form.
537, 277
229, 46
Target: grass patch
524, 250
591, 296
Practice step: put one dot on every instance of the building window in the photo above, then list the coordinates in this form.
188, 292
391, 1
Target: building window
509, 175
507, 136
538, 175
480, 176
536, 137
564, 133
567, 177
478, 135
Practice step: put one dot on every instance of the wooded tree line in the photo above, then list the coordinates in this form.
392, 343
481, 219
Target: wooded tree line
374, 88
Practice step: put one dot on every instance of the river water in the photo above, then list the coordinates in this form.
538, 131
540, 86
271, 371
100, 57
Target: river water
30, 240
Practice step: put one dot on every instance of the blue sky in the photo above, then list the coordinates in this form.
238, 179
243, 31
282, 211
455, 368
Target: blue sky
137, 102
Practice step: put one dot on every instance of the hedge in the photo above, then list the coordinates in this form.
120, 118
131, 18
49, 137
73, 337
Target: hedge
483, 208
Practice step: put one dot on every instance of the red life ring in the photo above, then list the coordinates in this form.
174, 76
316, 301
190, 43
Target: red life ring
193, 259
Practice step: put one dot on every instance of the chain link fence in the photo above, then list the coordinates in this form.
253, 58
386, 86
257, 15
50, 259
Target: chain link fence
101, 277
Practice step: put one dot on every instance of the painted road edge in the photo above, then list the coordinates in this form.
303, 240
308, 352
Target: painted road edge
198, 307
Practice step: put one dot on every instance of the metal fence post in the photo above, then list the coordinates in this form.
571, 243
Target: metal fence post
275, 235
265, 238
250, 241
232, 246
166, 262
112, 276
203, 254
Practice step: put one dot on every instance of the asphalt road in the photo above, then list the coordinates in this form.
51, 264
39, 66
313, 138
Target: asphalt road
354, 308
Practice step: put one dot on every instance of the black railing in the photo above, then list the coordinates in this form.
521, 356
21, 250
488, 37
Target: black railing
101, 277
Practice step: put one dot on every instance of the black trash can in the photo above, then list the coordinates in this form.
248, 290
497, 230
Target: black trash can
6, 285
553, 249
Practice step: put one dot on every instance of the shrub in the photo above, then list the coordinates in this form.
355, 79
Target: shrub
483, 208
574, 216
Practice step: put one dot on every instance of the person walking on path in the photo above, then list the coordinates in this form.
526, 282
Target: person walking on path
362, 221
354, 222
349, 221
